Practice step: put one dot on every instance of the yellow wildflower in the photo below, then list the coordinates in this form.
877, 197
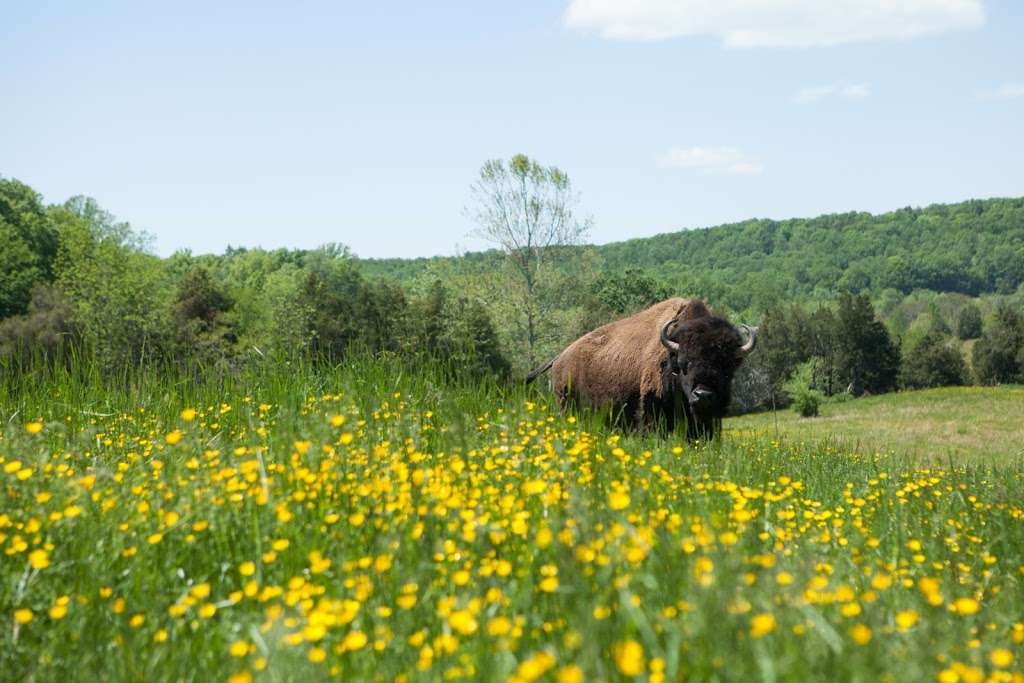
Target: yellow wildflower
629, 657
762, 624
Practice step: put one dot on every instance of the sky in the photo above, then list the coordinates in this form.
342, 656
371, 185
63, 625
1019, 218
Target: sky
298, 124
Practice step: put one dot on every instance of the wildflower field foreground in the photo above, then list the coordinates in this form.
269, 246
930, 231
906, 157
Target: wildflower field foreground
368, 524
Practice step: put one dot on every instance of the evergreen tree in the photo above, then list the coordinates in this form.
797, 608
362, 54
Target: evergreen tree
327, 299
476, 349
203, 330
866, 356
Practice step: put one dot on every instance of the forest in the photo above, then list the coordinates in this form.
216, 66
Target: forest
847, 304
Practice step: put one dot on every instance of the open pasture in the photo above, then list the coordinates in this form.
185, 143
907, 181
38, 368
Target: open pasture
981, 425
369, 526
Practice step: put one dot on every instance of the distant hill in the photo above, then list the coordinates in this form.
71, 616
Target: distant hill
974, 247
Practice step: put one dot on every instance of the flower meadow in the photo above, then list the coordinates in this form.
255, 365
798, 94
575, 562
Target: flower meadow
365, 525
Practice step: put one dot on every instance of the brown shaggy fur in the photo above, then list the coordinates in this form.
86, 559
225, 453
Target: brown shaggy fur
622, 359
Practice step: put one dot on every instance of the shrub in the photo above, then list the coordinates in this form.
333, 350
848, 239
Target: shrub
45, 332
805, 398
933, 362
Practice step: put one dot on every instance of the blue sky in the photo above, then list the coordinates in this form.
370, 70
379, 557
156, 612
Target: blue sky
209, 124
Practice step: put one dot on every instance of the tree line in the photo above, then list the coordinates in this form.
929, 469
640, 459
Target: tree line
973, 248
845, 349
77, 283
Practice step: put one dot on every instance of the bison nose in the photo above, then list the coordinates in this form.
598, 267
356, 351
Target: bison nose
701, 395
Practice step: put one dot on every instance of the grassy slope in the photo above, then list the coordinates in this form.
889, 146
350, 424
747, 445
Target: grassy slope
980, 424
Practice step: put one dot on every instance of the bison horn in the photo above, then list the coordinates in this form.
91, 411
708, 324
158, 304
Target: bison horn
751, 341
666, 342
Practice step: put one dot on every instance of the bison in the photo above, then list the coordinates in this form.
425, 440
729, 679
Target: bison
673, 361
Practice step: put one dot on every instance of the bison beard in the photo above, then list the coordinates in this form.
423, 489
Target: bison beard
669, 363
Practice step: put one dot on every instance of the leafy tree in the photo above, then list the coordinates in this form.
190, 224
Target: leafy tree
968, 322
434, 341
996, 356
28, 246
119, 293
527, 210
934, 361
936, 321
629, 291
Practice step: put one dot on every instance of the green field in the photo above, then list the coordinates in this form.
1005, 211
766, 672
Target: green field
370, 524
958, 424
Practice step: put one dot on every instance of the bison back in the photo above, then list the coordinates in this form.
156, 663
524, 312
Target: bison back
620, 361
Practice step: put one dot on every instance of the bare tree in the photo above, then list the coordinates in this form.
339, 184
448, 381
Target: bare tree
527, 210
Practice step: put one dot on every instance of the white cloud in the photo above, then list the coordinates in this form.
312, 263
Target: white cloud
847, 91
774, 23
711, 160
1007, 91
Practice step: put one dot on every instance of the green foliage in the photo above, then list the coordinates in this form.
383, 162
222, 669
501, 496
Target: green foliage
852, 350
629, 291
968, 322
934, 361
527, 210
866, 355
338, 310
783, 344
46, 332
458, 334
112, 299
28, 246
973, 247
120, 294
802, 394
203, 329
997, 356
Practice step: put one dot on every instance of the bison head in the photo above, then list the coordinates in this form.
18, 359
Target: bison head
704, 353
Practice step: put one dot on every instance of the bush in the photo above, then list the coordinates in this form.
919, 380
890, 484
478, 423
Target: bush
45, 332
933, 362
806, 399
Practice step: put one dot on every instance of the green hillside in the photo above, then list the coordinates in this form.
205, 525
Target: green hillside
974, 247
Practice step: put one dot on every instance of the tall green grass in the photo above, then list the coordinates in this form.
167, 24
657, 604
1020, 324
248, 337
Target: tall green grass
745, 559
